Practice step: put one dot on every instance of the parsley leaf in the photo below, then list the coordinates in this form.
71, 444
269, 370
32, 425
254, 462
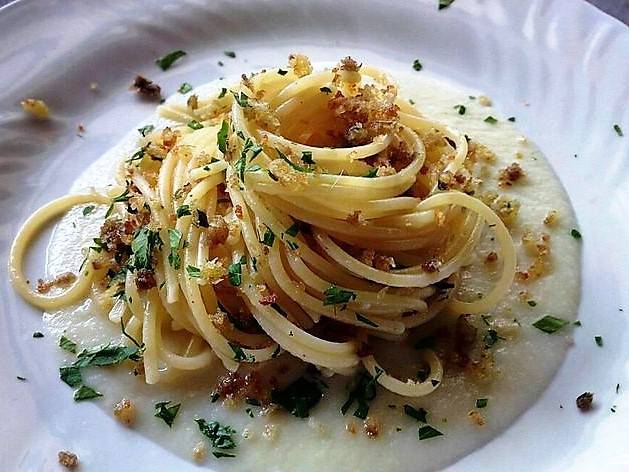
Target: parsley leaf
174, 237
165, 62
575, 234
490, 338
299, 397
86, 393
460, 109
598, 340
239, 354
306, 157
185, 87
337, 296
67, 344
417, 65
71, 375
445, 4
193, 272
326, 89
618, 130
220, 436
167, 413
234, 272
363, 393
549, 324
242, 99
146, 130
109, 354
88, 209
427, 432
223, 93
268, 238
183, 210
144, 241
231, 54
282, 72
194, 124
372, 173
491, 120
367, 321
418, 413
293, 230
481, 402
298, 168
38, 334
221, 137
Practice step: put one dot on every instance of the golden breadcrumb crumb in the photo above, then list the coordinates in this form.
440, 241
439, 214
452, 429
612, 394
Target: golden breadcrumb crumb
124, 411
300, 64
36, 108
68, 459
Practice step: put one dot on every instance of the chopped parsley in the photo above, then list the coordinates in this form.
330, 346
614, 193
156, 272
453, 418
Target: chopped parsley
531, 303
481, 402
491, 120
373, 172
67, 344
220, 436
417, 65
185, 87
146, 130
298, 168
239, 354
221, 137
231, 54
109, 354
598, 340
445, 4
337, 296
282, 71
242, 99
293, 230
20, 378
223, 92
326, 89
193, 272
268, 238
367, 321
143, 244
183, 210
417, 413
511, 119
86, 393
460, 109
166, 412
550, 324
88, 209
71, 375
234, 272
575, 234
363, 393
138, 155
194, 124
38, 334
306, 157
618, 130
577, 323
174, 238
299, 397
428, 432
165, 62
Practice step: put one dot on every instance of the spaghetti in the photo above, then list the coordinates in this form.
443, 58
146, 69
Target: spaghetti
291, 203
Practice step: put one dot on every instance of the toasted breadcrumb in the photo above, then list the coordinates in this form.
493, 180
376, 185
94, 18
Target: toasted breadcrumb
124, 411
551, 218
476, 418
505, 207
491, 257
510, 174
538, 247
193, 102
371, 426
36, 108
287, 176
147, 88
61, 280
213, 271
356, 218
350, 427
300, 64
68, 459
478, 152
199, 452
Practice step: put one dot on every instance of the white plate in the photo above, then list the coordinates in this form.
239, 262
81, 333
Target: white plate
560, 66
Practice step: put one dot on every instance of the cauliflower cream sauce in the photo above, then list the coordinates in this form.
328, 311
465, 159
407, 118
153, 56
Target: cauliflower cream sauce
524, 358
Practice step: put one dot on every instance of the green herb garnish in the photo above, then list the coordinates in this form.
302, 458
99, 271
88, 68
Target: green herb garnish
298, 168
306, 157
67, 344
174, 238
88, 209
220, 436
598, 340
282, 72
166, 412
185, 87
193, 272
417, 65
234, 272
242, 99
231, 54
445, 4
491, 120
221, 137
268, 238
299, 397
194, 124
427, 432
363, 393
143, 244
575, 234
367, 321
511, 119
183, 210
460, 109
372, 173
418, 414
618, 130
71, 375
293, 230
326, 89
481, 402
165, 62
86, 393
146, 130
337, 296
550, 324
38, 334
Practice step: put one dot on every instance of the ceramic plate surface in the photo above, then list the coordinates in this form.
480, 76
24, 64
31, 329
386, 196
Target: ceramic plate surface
561, 67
